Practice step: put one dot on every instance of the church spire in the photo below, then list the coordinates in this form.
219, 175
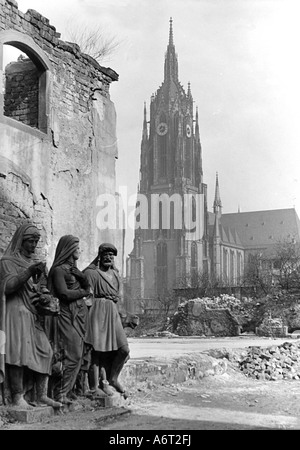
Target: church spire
171, 63
217, 202
171, 32
145, 129
198, 147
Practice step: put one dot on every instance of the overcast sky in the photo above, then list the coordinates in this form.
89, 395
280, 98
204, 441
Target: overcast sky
242, 60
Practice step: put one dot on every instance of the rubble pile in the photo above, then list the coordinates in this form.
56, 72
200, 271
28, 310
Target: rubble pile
283, 305
205, 317
272, 327
274, 315
242, 310
251, 314
223, 301
272, 363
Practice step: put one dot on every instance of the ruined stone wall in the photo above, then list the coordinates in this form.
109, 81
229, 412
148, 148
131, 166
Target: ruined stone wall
55, 174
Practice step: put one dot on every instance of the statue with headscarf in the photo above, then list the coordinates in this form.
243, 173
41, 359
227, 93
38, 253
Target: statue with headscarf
67, 331
105, 331
28, 353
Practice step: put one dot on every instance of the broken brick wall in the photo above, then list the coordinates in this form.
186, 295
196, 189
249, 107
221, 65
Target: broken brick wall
54, 171
21, 87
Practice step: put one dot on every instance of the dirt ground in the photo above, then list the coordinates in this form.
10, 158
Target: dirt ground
223, 402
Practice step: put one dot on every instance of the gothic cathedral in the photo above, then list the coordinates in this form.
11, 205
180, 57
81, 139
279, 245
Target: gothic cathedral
177, 238
169, 249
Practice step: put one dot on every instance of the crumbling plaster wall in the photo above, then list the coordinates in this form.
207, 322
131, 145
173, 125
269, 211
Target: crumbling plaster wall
55, 176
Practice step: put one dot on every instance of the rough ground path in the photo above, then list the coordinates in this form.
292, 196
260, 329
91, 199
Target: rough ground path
229, 401
161, 347
223, 402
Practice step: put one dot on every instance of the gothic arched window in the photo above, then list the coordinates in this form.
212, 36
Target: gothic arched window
162, 265
225, 265
239, 266
176, 125
188, 150
160, 216
179, 242
232, 266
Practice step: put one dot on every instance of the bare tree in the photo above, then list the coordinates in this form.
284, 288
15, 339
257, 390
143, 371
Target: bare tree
93, 41
201, 284
168, 302
259, 273
287, 264
281, 268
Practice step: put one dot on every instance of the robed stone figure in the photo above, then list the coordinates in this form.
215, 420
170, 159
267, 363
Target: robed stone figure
28, 353
105, 332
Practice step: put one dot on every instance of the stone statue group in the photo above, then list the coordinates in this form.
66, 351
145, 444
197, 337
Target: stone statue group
47, 354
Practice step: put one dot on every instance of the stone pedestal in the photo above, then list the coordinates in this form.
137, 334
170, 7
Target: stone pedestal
31, 415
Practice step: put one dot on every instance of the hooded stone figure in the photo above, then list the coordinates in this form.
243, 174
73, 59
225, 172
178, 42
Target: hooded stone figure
28, 353
105, 331
67, 331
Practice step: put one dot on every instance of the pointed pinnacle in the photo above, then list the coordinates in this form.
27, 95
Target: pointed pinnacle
171, 32
189, 89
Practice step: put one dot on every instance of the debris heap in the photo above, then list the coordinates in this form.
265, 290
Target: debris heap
252, 315
272, 327
222, 301
273, 363
206, 317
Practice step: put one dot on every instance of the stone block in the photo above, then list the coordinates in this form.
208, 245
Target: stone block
31, 415
116, 400
106, 402
74, 406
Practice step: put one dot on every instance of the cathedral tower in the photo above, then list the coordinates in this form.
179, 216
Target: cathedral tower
170, 243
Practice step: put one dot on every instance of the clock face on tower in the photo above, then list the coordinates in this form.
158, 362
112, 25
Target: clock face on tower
188, 131
162, 128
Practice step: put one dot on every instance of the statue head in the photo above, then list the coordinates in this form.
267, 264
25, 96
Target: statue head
106, 254
67, 250
30, 239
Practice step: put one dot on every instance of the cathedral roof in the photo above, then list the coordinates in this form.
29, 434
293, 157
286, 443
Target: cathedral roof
228, 235
260, 229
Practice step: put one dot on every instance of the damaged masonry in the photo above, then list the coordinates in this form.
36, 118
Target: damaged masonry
58, 147
58, 135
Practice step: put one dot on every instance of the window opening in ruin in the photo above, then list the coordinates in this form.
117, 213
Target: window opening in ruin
23, 88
